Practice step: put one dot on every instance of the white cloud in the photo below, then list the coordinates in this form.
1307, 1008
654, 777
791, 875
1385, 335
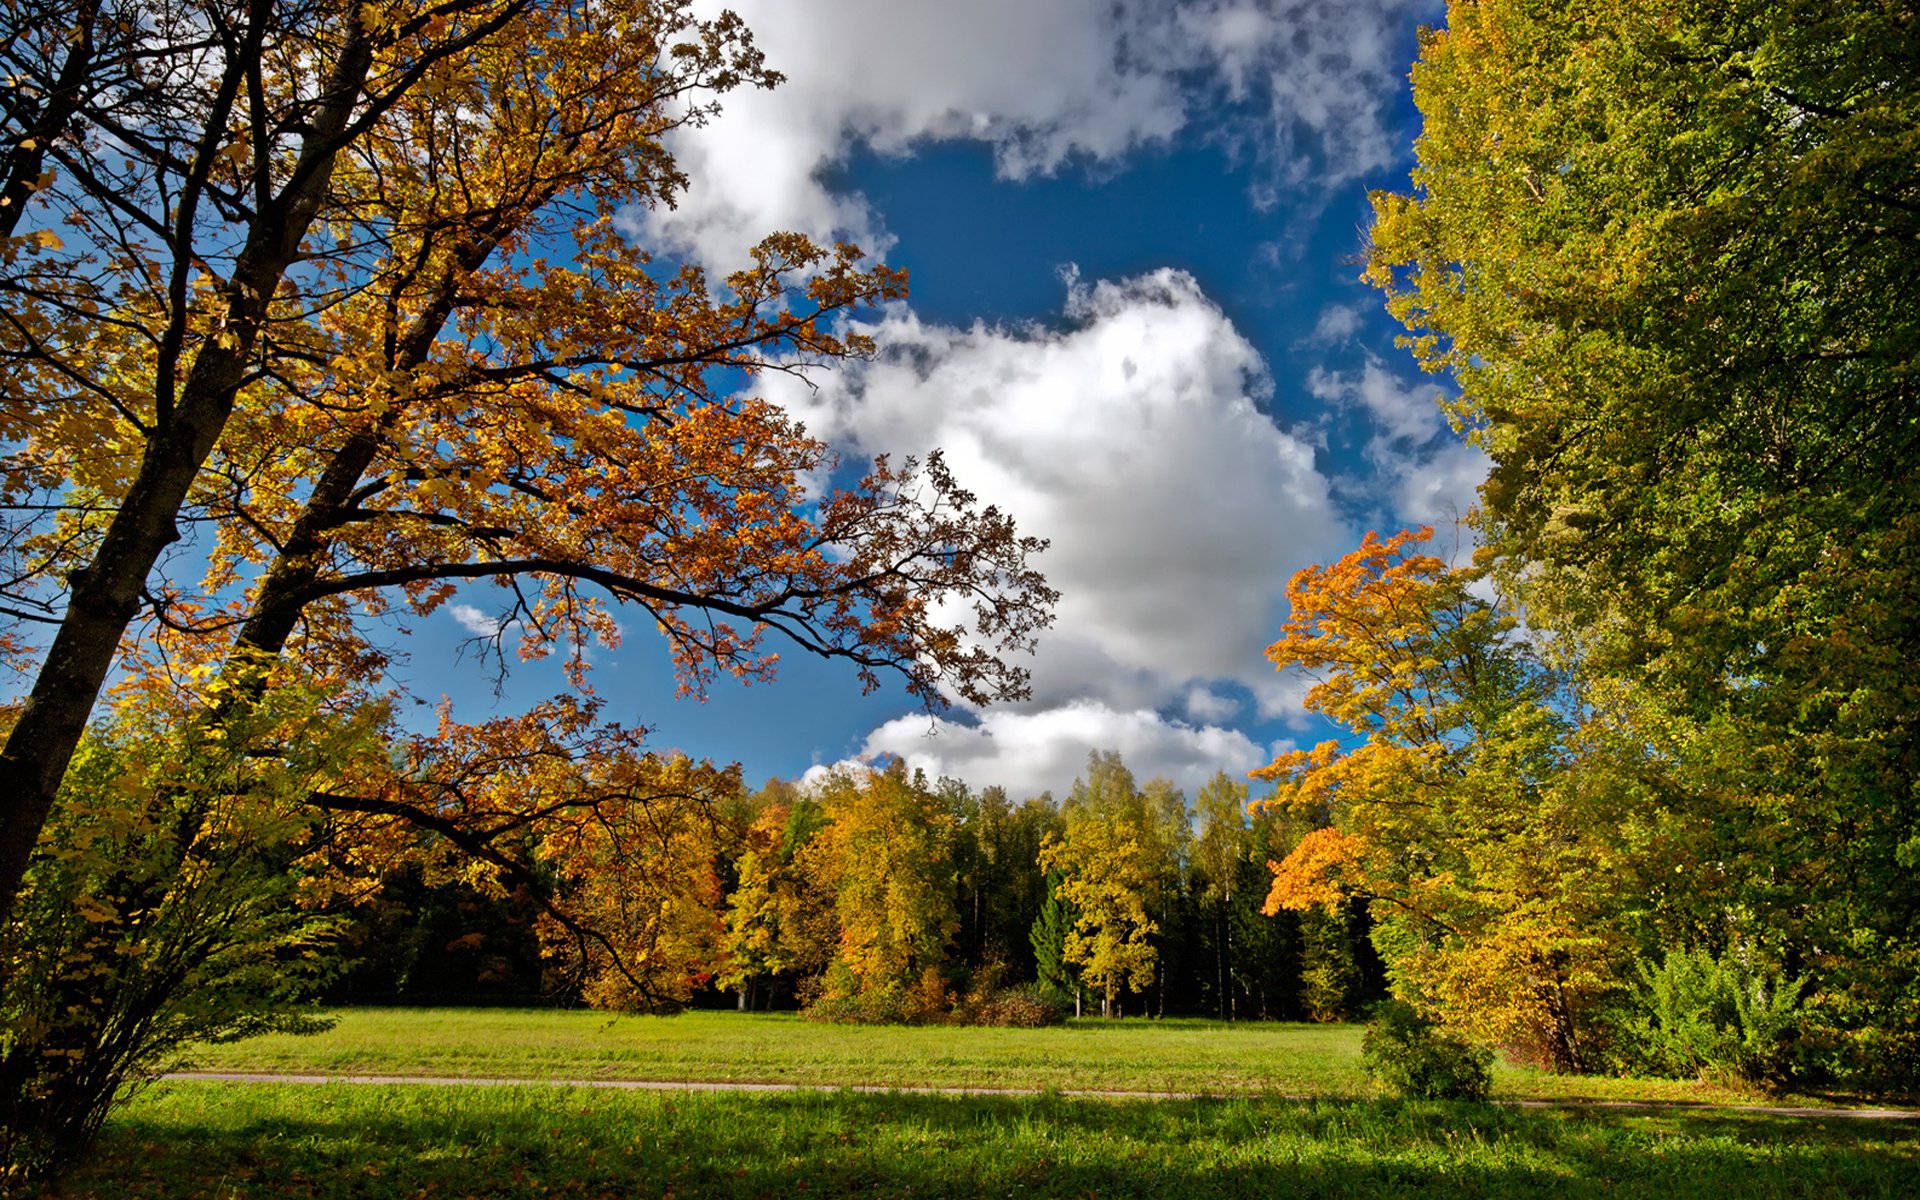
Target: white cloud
1299, 85
476, 621
1401, 411
1132, 440
1204, 704
1337, 324
1031, 752
1439, 489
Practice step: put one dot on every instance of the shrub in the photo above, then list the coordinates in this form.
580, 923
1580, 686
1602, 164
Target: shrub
162, 908
1416, 1059
1026, 1006
1716, 1017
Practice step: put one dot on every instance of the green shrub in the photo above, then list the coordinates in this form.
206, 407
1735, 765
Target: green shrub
1716, 1017
1418, 1060
162, 908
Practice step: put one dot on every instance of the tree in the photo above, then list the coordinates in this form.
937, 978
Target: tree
1496, 876
1667, 251
886, 858
1109, 879
640, 871
777, 921
352, 356
342, 288
118, 959
1217, 855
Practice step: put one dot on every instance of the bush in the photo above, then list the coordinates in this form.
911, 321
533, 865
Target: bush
162, 908
1715, 1017
1027, 1006
844, 1001
1418, 1060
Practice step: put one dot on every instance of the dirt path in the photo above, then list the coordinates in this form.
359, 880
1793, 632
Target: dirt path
667, 1085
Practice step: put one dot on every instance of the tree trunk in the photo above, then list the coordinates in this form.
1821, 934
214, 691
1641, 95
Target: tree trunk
106, 593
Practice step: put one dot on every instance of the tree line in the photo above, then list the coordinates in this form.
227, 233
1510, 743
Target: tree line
878, 895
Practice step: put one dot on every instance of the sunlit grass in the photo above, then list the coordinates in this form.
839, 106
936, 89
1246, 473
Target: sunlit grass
226, 1140
1189, 1056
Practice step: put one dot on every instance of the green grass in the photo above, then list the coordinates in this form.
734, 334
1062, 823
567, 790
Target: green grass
214, 1141
1210, 1057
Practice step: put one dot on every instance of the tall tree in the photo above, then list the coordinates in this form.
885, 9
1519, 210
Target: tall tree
1111, 873
370, 317
1217, 855
1669, 252
886, 857
1495, 875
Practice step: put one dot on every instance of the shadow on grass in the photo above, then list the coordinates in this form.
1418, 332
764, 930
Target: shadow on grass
206, 1140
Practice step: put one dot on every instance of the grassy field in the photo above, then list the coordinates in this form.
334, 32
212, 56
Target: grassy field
212, 1141
1210, 1057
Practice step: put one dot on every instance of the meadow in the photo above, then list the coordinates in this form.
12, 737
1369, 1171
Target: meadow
1214, 1058
387, 1142
1287, 1111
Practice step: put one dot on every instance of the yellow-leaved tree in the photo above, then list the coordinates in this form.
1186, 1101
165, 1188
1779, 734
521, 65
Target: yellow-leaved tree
1498, 874
886, 857
1112, 864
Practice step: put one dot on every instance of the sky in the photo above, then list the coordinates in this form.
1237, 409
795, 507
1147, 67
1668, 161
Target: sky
1133, 229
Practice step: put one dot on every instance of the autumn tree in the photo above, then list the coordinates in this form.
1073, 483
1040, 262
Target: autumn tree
393, 339
118, 959
1494, 874
777, 922
638, 873
343, 288
1218, 854
886, 858
1110, 878
1668, 253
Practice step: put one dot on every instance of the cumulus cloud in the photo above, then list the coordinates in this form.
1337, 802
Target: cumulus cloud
1337, 324
1204, 704
1031, 752
1134, 439
1299, 85
1441, 487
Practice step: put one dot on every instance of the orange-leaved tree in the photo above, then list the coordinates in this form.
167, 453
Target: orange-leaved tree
1494, 870
355, 299
346, 289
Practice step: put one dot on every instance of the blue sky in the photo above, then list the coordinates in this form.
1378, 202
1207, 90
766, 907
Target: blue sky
1135, 323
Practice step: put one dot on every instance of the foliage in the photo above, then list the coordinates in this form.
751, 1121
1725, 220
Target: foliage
1725, 1015
1419, 1060
1667, 251
1048, 938
1023, 1006
170, 904
1466, 815
885, 857
638, 875
1110, 874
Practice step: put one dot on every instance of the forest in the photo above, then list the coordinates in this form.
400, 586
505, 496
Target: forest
315, 311
879, 895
